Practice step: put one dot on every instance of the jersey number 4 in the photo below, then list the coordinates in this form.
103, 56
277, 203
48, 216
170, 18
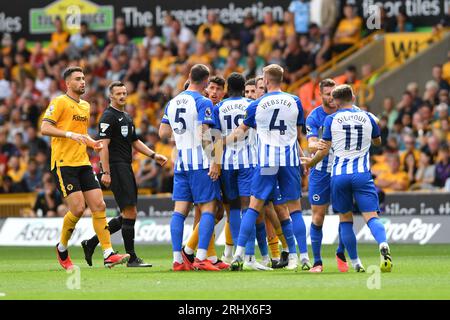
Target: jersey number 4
273, 126
348, 133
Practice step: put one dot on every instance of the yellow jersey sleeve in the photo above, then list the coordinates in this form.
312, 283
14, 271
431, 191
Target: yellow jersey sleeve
54, 111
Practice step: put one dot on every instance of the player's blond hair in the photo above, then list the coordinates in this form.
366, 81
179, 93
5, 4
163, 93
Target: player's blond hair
274, 73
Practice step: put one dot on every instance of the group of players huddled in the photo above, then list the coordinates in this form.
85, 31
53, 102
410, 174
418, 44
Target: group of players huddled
239, 157
242, 156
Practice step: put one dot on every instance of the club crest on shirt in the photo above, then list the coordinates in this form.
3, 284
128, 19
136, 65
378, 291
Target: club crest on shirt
50, 110
124, 130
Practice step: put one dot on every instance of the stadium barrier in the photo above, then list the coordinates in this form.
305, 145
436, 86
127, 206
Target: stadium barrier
156, 231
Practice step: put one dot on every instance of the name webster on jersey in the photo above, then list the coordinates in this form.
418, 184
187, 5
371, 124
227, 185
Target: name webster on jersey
272, 102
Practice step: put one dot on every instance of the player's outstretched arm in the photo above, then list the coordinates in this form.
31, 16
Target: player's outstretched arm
49, 129
97, 145
323, 150
146, 151
238, 134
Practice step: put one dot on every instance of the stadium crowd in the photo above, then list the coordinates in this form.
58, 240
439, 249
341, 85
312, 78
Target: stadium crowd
415, 129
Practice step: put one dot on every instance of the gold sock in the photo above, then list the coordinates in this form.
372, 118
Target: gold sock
228, 236
212, 247
274, 247
70, 221
280, 235
101, 229
193, 238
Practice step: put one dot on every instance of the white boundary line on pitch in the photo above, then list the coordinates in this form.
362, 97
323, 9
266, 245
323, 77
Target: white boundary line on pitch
2, 294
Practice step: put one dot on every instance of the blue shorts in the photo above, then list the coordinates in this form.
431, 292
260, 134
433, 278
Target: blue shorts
358, 186
236, 183
266, 181
319, 187
195, 186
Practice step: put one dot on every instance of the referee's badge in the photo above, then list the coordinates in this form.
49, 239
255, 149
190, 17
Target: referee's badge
124, 131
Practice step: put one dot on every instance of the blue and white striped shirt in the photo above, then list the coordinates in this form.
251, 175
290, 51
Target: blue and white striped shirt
351, 132
314, 128
185, 114
228, 115
276, 116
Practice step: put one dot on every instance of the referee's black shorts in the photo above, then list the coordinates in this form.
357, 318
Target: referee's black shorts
123, 185
72, 179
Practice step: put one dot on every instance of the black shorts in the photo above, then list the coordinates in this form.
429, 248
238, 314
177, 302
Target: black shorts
123, 185
73, 179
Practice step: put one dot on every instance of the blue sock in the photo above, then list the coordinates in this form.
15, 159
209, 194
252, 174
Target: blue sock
299, 229
205, 229
341, 247
250, 245
349, 239
247, 225
235, 223
286, 226
176, 230
261, 236
316, 241
377, 229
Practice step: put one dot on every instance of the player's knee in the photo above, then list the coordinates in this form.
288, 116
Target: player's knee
99, 206
78, 209
130, 213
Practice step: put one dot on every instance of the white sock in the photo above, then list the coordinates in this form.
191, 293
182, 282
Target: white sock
239, 251
285, 249
61, 248
188, 250
201, 254
293, 256
228, 251
304, 256
213, 259
356, 262
107, 252
384, 244
276, 259
266, 258
177, 257
247, 258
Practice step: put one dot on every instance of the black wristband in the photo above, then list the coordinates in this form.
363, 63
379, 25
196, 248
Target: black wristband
106, 172
153, 155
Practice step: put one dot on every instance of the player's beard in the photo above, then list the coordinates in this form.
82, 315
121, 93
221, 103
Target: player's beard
80, 91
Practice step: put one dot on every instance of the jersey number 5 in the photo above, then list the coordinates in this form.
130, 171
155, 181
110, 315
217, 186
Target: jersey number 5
348, 128
272, 126
179, 119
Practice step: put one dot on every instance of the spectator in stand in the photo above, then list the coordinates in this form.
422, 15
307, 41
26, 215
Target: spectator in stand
136, 72
6, 148
200, 56
328, 16
32, 179
425, 174
120, 27
348, 32
8, 186
321, 45
217, 30
430, 95
437, 76
403, 24
394, 179
309, 93
21, 70
413, 88
124, 45
43, 82
151, 40
297, 61
301, 11
49, 202
17, 168
21, 48
288, 25
410, 145
389, 111
60, 37
269, 28
80, 43
247, 33
35, 143
442, 173
349, 77
182, 34
406, 104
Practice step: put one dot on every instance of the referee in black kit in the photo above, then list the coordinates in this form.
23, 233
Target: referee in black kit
117, 132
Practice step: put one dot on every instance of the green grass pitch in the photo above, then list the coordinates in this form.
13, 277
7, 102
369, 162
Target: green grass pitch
420, 272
